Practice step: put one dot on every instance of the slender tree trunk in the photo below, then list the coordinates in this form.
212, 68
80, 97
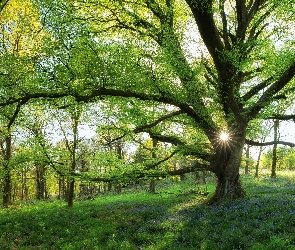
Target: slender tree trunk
71, 192
62, 188
247, 159
274, 150
7, 173
153, 182
71, 184
59, 188
152, 186
258, 162
74, 163
23, 183
118, 188
110, 185
204, 175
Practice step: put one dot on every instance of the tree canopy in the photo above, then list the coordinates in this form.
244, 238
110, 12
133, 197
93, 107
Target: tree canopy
184, 72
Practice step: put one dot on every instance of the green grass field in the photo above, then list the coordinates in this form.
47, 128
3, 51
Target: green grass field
175, 218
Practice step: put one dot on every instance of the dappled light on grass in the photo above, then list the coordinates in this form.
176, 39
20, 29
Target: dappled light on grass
174, 218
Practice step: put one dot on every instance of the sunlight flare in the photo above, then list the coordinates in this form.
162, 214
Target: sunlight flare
224, 136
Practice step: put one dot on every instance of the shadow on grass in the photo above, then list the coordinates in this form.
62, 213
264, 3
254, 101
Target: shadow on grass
154, 221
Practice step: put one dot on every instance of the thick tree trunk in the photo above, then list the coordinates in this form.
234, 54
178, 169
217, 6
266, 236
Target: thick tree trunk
228, 188
226, 168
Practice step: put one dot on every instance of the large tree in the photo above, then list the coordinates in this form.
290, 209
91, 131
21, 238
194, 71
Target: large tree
211, 67
246, 68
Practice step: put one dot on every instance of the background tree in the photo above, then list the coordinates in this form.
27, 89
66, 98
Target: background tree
21, 36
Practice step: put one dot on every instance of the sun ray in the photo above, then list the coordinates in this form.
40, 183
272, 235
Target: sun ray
224, 136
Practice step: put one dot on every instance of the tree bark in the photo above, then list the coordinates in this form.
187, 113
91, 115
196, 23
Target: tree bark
152, 186
274, 150
7, 173
71, 190
24, 189
258, 161
40, 182
75, 121
226, 168
247, 159
153, 182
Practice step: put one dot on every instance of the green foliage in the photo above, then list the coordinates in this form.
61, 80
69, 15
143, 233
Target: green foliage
285, 158
136, 62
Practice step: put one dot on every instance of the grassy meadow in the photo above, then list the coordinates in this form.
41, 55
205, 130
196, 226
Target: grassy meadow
174, 218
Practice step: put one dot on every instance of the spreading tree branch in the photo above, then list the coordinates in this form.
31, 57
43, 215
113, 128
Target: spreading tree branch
256, 89
195, 167
282, 117
254, 143
203, 15
151, 166
272, 90
242, 19
156, 122
164, 138
3, 3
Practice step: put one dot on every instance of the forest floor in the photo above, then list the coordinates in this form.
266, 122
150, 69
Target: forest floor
176, 217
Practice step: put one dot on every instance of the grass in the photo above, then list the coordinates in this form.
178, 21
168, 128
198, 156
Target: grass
175, 218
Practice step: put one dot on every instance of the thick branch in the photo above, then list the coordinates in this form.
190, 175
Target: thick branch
184, 108
28, 97
195, 167
254, 143
156, 122
225, 32
14, 116
203, 15
256, 89
242, 19
3, 3
168, 139
155, 8
144, 174
161, 161
282, 117
272, 90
